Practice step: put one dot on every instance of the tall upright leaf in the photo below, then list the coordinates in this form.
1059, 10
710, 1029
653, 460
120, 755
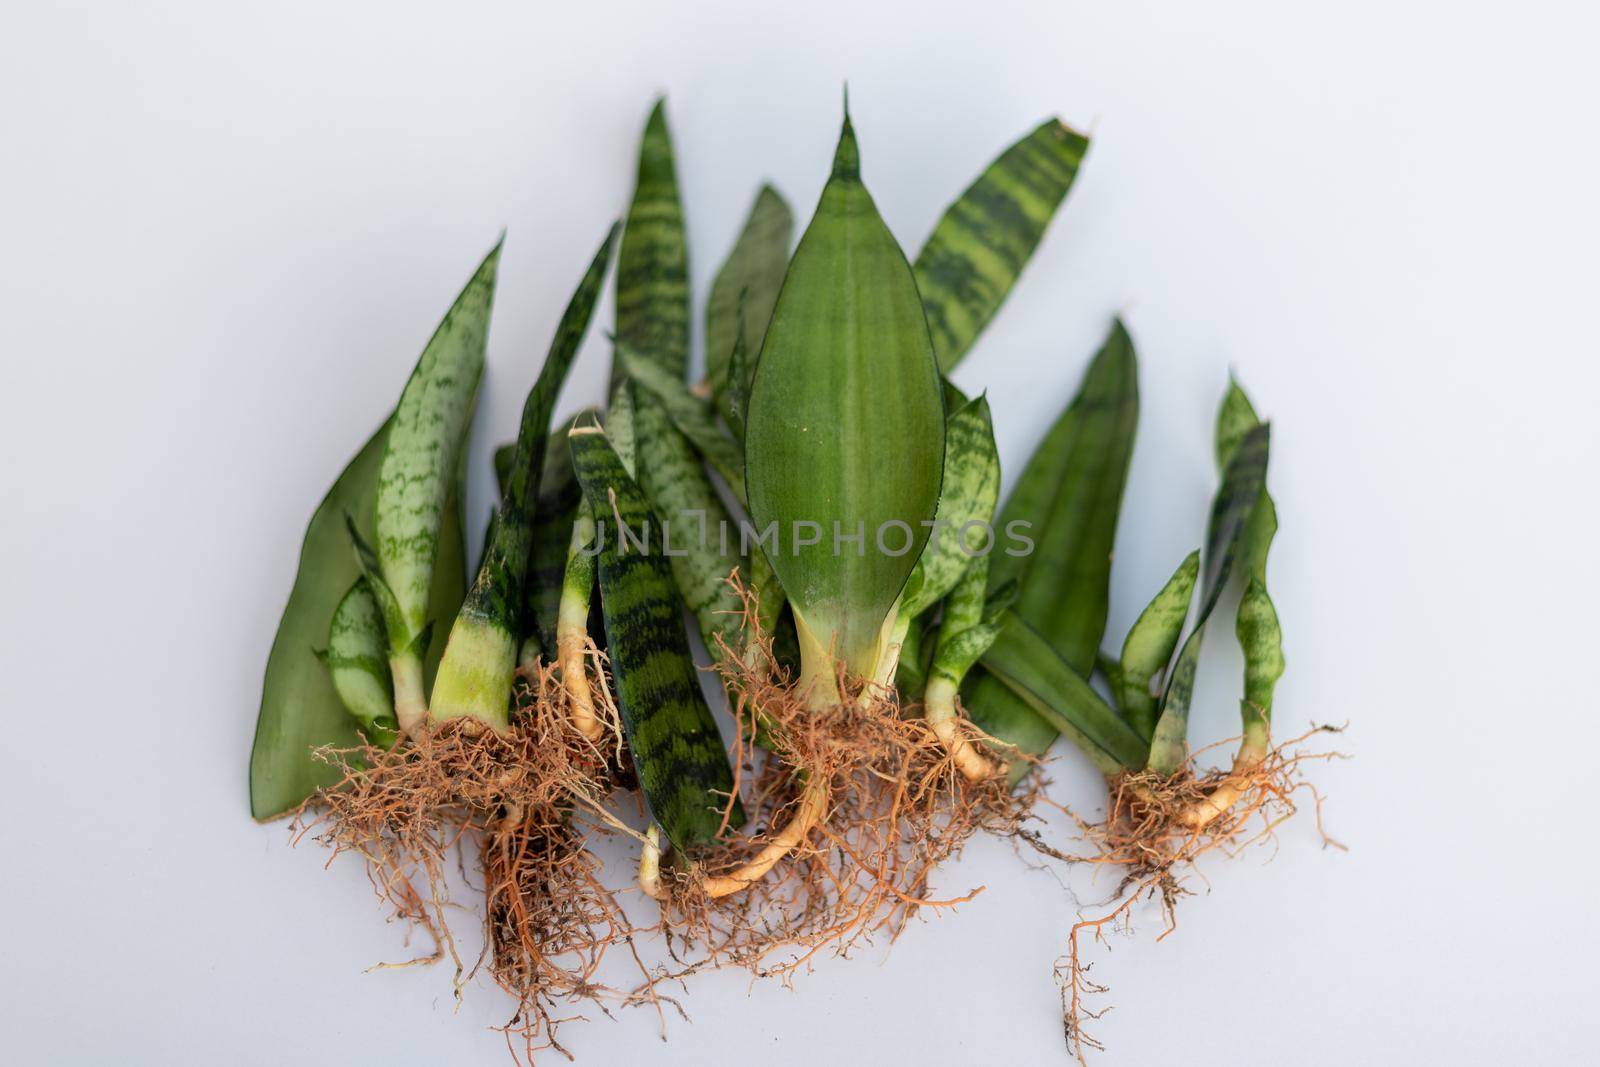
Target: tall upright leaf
986, 237
420, 459
653, 263
480, 660
746, 288
846, 427
1071, 495
682, 766
1236, 499
1258, 629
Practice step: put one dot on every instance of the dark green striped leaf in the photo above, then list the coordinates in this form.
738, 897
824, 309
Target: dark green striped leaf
1236, 499
653, 264
700, 540
846, 423
682, 767
986, 237
1071, 494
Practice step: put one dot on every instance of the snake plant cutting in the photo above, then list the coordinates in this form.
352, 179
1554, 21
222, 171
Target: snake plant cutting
898, 648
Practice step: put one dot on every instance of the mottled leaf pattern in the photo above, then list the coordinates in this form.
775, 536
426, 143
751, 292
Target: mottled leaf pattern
967, 500
980, 246
1150, 643
682, 767
690, 414
704, 543
475, 676
358, 662
1236, 498
420, 459
653, 264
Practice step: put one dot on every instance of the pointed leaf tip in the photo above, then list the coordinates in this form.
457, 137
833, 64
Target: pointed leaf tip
847, 157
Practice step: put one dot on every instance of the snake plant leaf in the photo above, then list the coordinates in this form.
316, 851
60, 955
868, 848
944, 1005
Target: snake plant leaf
692, 415
480, 661
553, 515
695, 525
1262, 641
357, 659
1260, 635
1071, 494
966, 505
1236, 499
1149, 645
734, 400
300, 708
503, 455
745, 289
682, 766
1026, 662
980, 246
421, 460
653, 263
846, 423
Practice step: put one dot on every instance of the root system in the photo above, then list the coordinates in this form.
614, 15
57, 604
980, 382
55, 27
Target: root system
529, 801
1157, 828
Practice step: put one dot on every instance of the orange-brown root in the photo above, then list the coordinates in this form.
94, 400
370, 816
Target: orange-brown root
1158, 826
530, 800
856, 805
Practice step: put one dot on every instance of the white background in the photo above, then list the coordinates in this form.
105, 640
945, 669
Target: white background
227, 229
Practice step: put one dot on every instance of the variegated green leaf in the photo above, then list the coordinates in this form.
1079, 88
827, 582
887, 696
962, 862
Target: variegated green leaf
1070, 494
702, 543
682, 766
358, 662
1150, 643
975, 254
420, 461
1236, 498
692, 415
653, 264
967, 500
480, 660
